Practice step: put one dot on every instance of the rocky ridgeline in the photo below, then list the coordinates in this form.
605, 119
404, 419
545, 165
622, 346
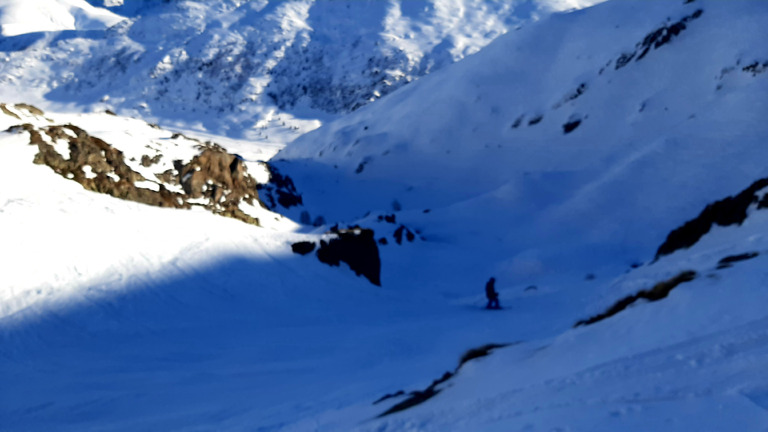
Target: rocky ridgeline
213, 179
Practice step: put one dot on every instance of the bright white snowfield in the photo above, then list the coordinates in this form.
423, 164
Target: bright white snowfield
553, 150
21, 17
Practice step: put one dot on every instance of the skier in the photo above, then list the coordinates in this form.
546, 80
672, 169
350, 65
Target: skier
493, 296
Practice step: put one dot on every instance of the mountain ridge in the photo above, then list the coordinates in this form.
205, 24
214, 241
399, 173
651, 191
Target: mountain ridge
249, 60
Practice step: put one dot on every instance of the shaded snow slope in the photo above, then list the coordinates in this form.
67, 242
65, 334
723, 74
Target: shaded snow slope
230, 65
580, 139
694, 360
652, 368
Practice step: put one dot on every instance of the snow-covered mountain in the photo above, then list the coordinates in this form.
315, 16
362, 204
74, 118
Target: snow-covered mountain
228, 65
605, 165
21, 17
618, 114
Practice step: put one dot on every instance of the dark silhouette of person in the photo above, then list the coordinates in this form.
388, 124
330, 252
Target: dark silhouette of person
493, 296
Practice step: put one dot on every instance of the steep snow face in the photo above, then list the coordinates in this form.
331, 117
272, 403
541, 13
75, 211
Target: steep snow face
235, 62
19, 16
584, 135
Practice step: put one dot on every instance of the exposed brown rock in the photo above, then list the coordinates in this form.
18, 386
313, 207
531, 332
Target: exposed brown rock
168, 177
214, 175
30, 108
223, 179
147, 161
4, 108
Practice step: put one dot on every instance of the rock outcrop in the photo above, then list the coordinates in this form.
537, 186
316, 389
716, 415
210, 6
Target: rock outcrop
223, 180
730, 210
355, 246
213, 179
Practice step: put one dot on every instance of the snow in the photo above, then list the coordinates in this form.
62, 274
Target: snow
61, 146
148, 185
88, 171
457, 154
228, 66
19, 17
120, 316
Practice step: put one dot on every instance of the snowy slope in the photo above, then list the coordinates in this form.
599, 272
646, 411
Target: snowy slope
695, 360
61, 213
562, 153
20, 17
121, 316
486, 145
118, 315
230, 66
217, 325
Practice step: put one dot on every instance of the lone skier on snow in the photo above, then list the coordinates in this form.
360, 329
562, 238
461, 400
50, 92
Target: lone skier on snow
493, 296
